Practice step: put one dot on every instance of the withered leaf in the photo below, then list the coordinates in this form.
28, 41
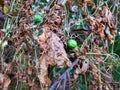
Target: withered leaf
70, 2
13, 13
85, 65
54, 54
30, 69
53, 46
105, 16
43, 74
4, 81
82, 3
81, 68
2, 34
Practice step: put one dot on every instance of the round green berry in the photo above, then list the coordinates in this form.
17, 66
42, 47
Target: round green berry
71, 43
37, 19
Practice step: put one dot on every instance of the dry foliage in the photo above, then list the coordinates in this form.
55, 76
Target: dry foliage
82, 3
103, 25
51, 49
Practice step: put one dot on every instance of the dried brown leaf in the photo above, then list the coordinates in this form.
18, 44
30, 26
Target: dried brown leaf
70, 3
2, 34
30, 69
96, 26
105, 16
43, 75
54, 54
4, 81
85, 66
81, 68
52, 44
100, 27
84, 2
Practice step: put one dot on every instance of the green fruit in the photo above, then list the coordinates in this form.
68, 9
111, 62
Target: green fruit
71, 43
37, 18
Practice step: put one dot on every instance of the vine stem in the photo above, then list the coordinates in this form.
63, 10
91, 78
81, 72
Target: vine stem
86, 40
64, 2
64, 74
85, 81
7, 20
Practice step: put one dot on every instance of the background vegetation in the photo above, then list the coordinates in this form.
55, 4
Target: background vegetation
35, 56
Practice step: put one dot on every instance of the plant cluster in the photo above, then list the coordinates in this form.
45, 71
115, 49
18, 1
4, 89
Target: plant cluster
59, 44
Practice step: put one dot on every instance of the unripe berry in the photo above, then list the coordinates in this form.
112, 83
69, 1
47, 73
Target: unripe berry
72, 43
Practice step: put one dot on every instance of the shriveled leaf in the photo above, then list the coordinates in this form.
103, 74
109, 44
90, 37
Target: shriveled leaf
43, 74
105, 16
30, 69
2, 34
85, 65
109, 36
70, 2
81, 68
53, 46
54, 54
4, 81
7, 82
97, 27
103, 25
85, 2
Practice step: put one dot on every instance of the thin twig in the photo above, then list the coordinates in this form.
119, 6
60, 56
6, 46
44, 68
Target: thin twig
64, 74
